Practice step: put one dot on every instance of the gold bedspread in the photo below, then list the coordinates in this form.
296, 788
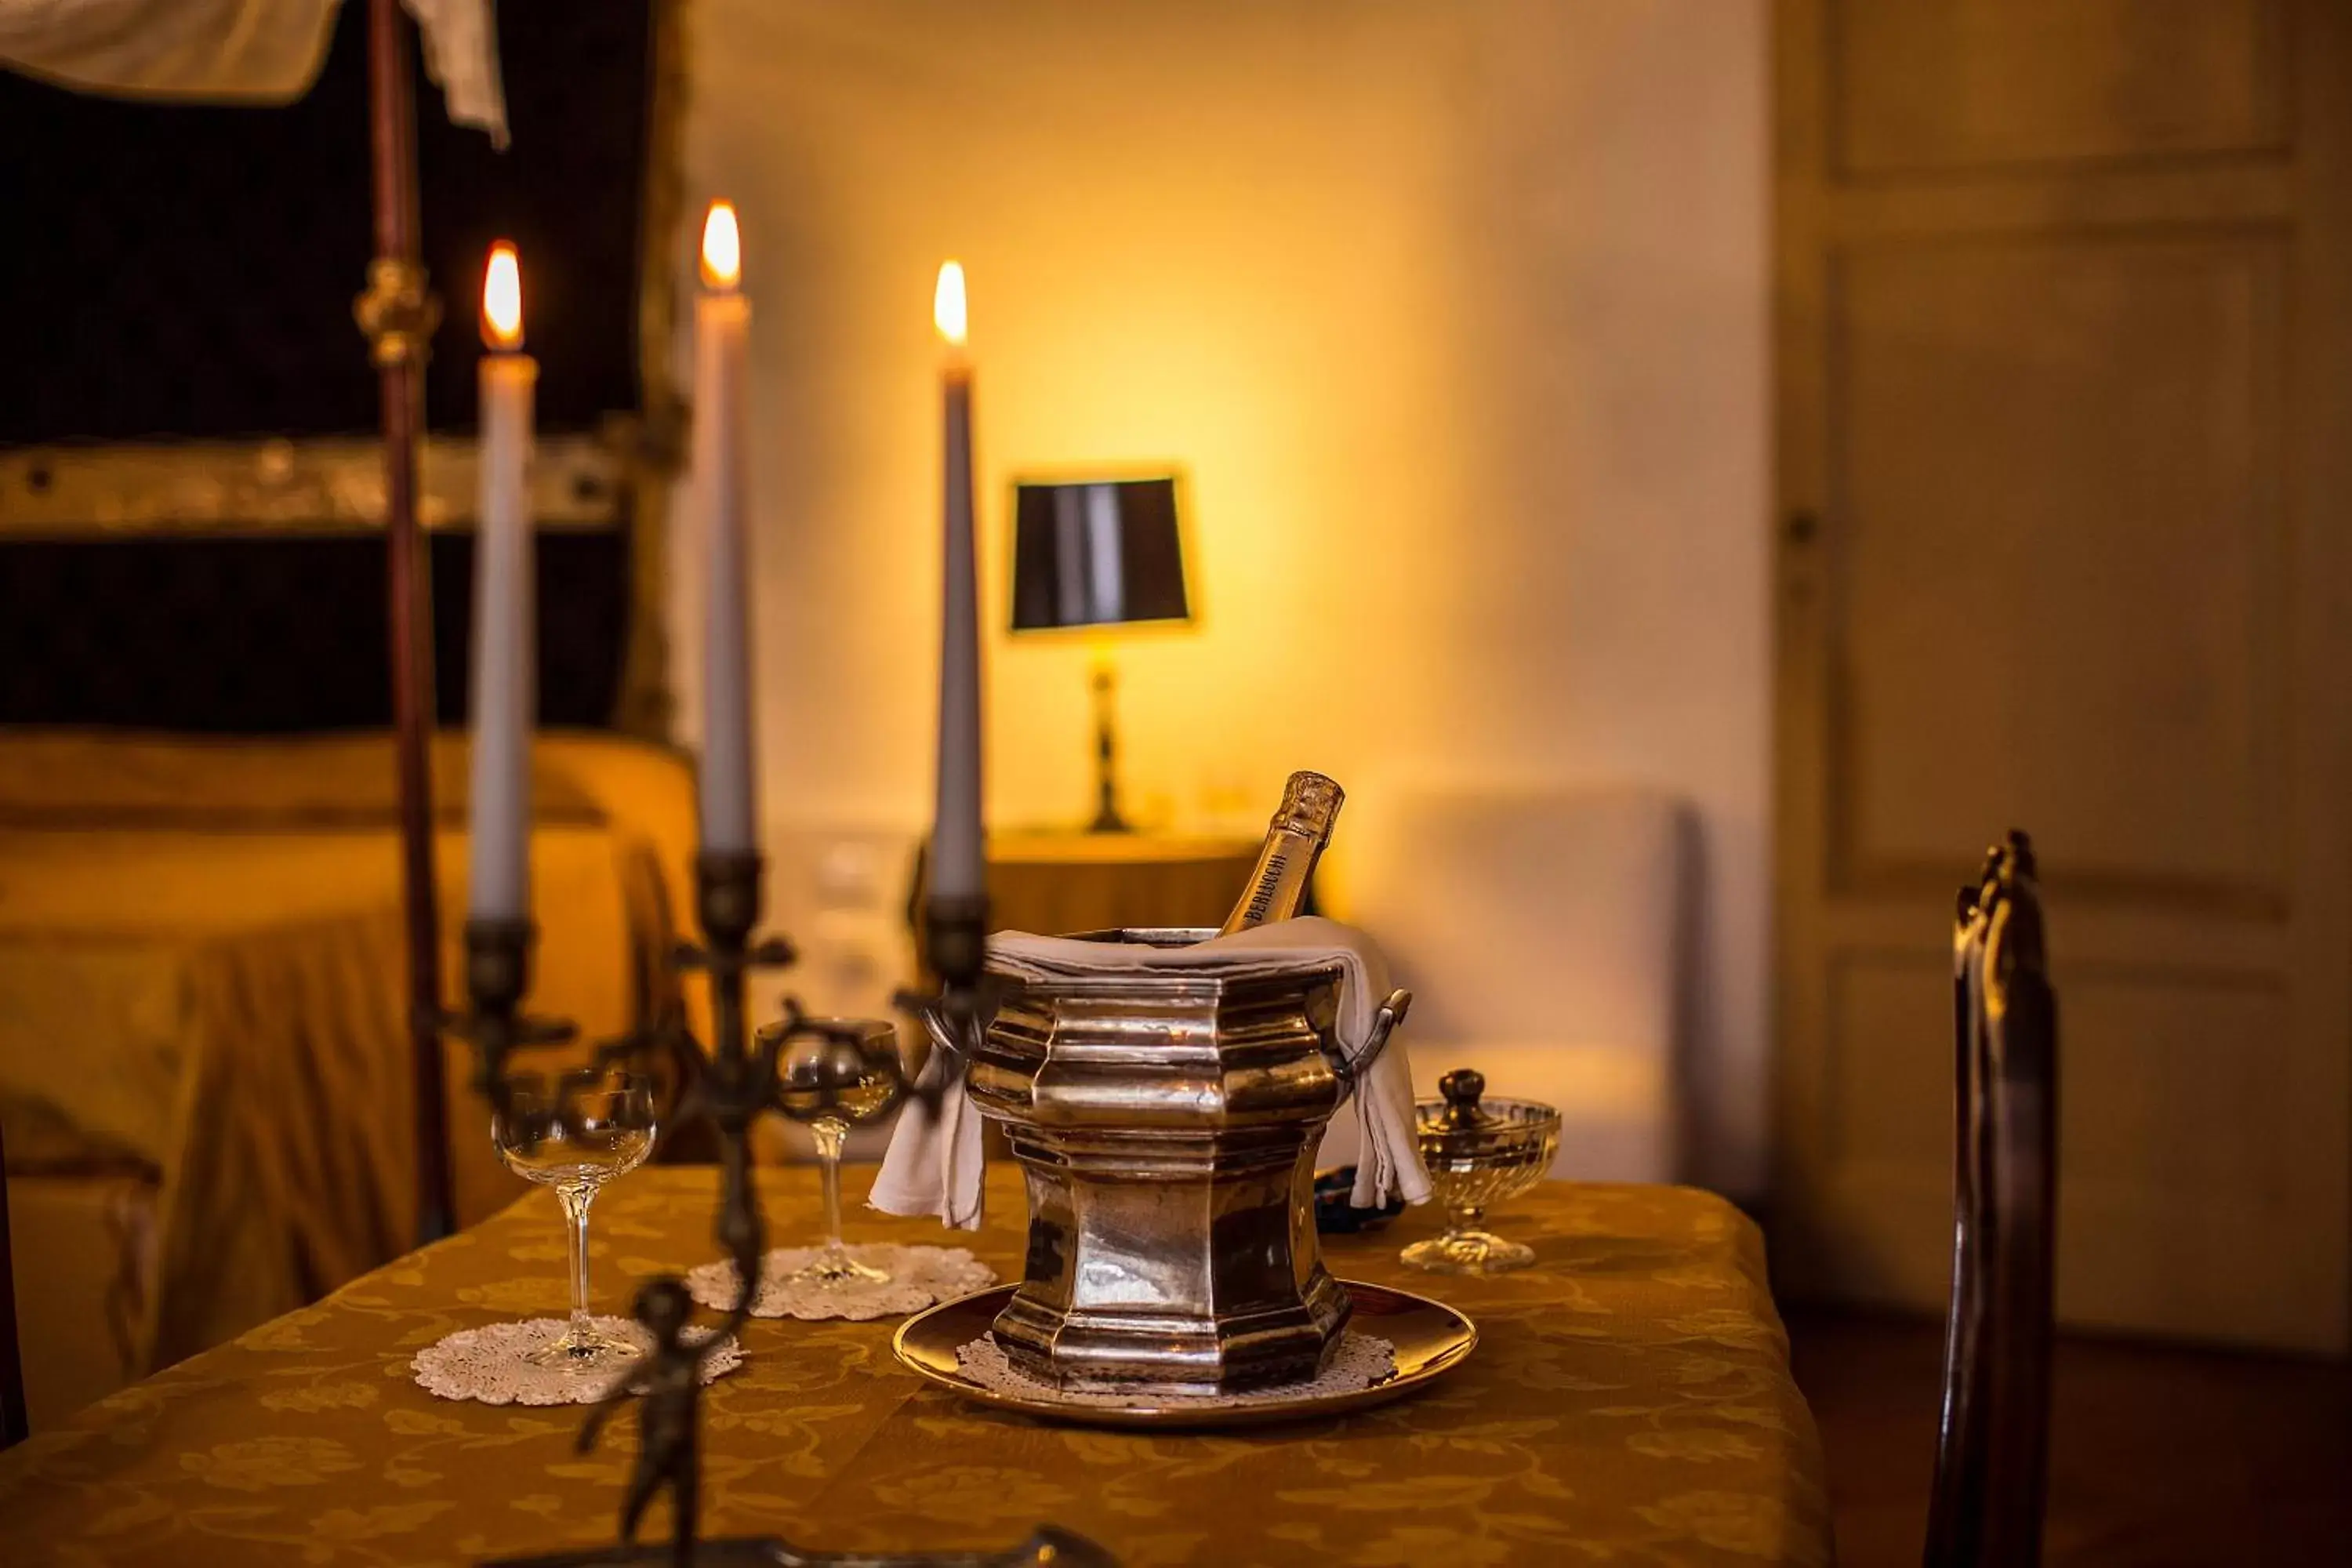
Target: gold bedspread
214, 990
1629, 1402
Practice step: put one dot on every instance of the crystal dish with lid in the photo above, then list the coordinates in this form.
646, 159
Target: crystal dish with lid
1479, 1153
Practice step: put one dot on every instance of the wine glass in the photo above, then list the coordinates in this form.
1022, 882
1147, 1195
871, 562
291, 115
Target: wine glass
842, 1072
593, 1125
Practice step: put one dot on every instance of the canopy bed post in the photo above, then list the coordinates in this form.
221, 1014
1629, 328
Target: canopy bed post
398, 315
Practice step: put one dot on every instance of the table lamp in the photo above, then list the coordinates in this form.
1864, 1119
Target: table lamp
1094, 554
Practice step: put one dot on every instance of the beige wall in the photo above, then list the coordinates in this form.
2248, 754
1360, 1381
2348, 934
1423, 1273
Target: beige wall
1454, 313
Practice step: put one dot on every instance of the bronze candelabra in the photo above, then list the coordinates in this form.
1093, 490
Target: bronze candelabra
728, 1082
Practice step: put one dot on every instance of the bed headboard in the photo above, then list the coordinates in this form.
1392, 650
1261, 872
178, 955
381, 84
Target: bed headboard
190, 495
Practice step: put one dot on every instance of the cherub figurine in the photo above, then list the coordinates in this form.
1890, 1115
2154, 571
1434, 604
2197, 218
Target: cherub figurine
671, 1378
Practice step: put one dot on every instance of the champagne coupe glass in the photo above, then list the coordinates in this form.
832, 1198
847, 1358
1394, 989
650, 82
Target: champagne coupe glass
846, 1073
592, 1126
1479, 1153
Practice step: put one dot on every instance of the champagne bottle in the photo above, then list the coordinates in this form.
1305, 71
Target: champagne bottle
1293, 841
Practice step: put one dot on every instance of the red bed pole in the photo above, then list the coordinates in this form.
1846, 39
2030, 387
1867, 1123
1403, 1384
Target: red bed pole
398, 315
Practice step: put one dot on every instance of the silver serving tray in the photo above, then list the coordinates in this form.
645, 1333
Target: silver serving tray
1431, 1338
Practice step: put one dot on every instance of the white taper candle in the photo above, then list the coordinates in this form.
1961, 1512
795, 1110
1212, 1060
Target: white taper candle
722, 324
957, 846
505, 695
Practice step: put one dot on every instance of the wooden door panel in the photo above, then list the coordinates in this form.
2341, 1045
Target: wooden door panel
1953, 84
2064, 373
1890, 1103
2195, 1078
2179, 1154
2068, 451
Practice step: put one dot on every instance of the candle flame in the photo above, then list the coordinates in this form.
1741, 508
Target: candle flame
502, 299
947, 302
722, 247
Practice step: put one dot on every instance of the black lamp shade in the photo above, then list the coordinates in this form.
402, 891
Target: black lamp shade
1094, 553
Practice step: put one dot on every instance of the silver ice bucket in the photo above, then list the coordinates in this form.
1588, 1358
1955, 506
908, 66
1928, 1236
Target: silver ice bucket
1167, 1125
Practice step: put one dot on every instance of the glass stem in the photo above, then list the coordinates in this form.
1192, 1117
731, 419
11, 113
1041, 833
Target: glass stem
575, 1201
829, 1134
1465, 1217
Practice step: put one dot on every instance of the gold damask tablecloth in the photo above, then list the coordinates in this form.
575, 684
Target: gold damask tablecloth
1629, 1402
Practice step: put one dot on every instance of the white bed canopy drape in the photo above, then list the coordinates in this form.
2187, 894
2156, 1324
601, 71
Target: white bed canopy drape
250, 51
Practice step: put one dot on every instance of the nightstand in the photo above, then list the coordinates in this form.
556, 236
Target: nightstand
1053, 882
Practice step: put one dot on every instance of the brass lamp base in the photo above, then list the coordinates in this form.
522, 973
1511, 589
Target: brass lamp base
1107, 813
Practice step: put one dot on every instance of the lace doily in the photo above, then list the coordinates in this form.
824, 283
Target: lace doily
1361, 1362
491, 1365
919, 1277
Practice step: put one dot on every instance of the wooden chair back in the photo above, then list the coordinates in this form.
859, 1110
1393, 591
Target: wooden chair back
13, 1423
1992, 1449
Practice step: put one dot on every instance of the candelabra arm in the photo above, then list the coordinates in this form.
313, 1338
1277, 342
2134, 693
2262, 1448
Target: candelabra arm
736, 1075
736, 1084
498, 977
741, 1230
955, 928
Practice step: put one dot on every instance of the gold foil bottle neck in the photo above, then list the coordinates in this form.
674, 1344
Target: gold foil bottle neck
1310, 805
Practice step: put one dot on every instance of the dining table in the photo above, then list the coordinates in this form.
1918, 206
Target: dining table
1628, 1401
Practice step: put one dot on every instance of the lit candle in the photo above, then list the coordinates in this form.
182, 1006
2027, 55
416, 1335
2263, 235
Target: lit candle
722, 323
956, 843
505, 701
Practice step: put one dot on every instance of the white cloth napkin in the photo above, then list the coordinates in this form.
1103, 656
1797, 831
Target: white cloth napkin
933, 1165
